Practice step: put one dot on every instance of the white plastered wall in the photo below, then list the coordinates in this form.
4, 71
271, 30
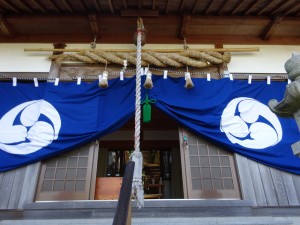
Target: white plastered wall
270, 58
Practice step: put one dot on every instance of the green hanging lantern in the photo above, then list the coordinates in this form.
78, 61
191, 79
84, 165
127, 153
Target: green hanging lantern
147, 109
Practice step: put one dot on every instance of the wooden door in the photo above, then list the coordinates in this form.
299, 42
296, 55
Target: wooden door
208, 171
70, 176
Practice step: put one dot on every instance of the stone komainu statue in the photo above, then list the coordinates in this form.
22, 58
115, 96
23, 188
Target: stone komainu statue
289, 106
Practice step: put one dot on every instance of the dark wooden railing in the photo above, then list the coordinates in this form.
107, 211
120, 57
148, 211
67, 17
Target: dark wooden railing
123, 211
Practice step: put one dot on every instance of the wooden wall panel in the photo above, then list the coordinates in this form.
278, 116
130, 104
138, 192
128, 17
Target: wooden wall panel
6, 187
1, 177
18, 186
16, 189
246, 184
257, 183
29, 184
279, 187
266, 186
290, 189
296, 179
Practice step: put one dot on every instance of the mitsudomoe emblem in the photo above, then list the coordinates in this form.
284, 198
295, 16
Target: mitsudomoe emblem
251, 124
28, 127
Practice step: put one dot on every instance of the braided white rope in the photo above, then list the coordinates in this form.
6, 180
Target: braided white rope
137, 157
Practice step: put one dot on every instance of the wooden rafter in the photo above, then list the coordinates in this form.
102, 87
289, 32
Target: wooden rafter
272, 27
153, 4
9, 6
83, 4
94, 25
167, 6
292, 7
139, 12
263, 9
237, 7
97, 6
280, 6
111, 7
251, 7
208, 7
195, 6
23, 5
38, 5
184, 26
224, 4
125, 4
68, 6
182, 4
54, 6
4, 27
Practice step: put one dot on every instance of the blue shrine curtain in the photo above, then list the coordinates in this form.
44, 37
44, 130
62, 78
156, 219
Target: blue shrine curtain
39, 122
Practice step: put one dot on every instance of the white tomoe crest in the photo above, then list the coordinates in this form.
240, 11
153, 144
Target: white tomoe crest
21, 131
251, 124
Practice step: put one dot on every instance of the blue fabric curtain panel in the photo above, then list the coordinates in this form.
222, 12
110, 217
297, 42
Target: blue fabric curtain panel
39, 122
233, 115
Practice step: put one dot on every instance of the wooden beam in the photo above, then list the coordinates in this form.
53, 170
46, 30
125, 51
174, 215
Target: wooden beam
38, 5
195, 6
94, 25
184, 26
272, 27
251, 6
237, 7
216, 49
9, 6
111, 7
154, 39
199, 20
167, 6
208, 7
4, 27
137, 13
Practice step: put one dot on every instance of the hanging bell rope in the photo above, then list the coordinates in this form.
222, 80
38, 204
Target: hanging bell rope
137, 157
